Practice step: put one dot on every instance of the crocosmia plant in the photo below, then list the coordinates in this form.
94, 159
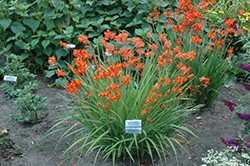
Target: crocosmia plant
127, 78
124, 82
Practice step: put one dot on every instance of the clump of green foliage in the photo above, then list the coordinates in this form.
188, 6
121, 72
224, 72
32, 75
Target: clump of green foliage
14, 67
27, 103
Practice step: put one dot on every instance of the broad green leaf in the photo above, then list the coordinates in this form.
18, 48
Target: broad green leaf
5, 23
17, 27
10, 38
49, 24
49, 73
230, 81
89, 29
127, 14
84, 23
48, 51
90, 2
115, 11
85, 9
24, 56
20, 6
131, 8
45, 43
60, 22
59, 36
104, 27
93, 34
103, 2
61, 52
58, 4
52, 33
34, 42
60, 81
163, 3
76, 19
45, 4
48, 13
33, 24
20, 43
139, 32
69, 29
100, 21
39, 60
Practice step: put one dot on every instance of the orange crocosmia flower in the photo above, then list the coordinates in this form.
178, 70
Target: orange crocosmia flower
157, 85
153, 92
179, 41
149, 34
229, 22
155, 100
123, 37
126, 79
190, 76
230, 30
60, 73
150, 107
177, 90
162, 37
222, 32
204, 79
108, 105
166, 80
138, 42
217, 42
169, 21
108, 34
230, 51
144, 112
241, 12
83, 39
167, 43
63, 44
98, 104
166, 13
149, 99
88, 94
52, 60
149, 120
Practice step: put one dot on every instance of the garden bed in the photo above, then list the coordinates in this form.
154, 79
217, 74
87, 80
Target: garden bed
212, 123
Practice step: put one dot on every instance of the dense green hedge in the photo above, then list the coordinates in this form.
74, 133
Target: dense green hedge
33, 29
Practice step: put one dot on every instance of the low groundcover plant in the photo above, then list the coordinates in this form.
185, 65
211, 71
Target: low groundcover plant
226, 158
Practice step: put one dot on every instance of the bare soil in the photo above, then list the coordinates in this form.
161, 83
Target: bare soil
210, 125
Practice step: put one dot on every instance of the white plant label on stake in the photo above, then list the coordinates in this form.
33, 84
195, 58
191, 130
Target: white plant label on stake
10, 78
71, 46
133, 126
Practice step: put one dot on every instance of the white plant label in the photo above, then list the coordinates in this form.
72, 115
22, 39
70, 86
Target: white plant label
10, 78
133, 126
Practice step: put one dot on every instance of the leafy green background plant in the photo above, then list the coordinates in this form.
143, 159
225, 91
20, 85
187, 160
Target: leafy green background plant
28, 104
34, 30
14, 67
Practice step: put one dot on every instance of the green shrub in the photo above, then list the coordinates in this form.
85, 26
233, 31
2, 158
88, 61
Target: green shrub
14, 67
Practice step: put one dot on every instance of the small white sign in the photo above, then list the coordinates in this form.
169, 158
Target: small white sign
70, 45
10, 78
133, 126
